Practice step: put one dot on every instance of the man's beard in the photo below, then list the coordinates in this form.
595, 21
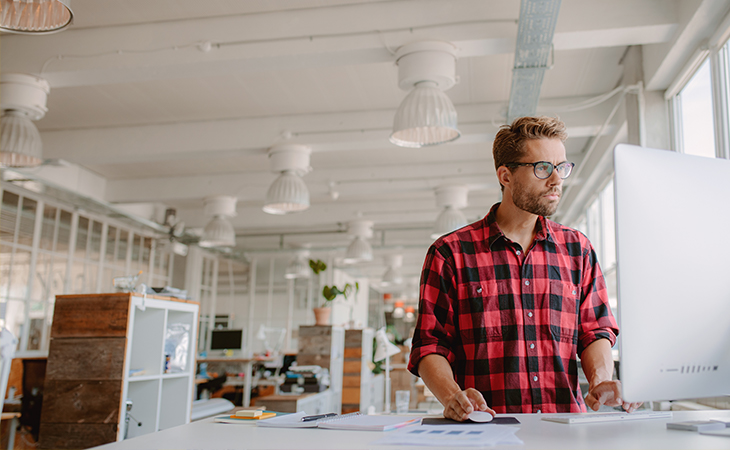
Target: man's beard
535, 204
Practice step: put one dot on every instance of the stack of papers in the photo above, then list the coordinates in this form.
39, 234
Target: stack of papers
452, 436
353, 421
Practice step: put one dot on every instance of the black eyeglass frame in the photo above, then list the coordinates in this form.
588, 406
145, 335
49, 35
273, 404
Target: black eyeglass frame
550, 172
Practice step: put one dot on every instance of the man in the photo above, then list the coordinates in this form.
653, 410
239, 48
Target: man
509, 302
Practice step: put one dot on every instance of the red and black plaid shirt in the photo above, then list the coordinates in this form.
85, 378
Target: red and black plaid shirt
511, 325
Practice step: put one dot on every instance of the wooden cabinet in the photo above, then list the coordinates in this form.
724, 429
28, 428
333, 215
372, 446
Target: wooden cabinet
110, 350
357, 374
324, 346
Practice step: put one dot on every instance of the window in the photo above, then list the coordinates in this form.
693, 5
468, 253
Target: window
46, 249
694, 105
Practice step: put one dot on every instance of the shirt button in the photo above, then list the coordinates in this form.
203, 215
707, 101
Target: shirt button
539, 411
529, 314
527, 282
518, 252
479, 290
534, 378
532, 345
574, 292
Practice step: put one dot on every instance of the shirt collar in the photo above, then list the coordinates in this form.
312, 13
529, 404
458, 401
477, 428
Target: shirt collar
494, 233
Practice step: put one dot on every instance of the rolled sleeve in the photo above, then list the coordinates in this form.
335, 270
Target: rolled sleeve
435, 325
596, 318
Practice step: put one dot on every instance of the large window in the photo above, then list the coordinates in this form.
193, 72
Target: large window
48, 249
694, 106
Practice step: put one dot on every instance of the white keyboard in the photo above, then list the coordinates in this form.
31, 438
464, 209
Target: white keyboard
606, 417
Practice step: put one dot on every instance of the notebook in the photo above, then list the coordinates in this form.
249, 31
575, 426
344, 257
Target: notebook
362, 422
352, 421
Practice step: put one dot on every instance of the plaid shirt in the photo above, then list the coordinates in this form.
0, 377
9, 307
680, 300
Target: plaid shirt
510, 324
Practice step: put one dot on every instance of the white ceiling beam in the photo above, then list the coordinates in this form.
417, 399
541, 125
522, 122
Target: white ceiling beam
253, 136
375, 180
313, 38
696, 23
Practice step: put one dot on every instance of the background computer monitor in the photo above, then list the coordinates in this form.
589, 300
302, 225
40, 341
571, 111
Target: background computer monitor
226, 340
673, 256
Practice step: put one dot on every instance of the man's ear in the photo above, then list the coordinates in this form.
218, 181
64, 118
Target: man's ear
504, 175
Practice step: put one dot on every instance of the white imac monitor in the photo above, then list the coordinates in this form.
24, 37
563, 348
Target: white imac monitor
673, 253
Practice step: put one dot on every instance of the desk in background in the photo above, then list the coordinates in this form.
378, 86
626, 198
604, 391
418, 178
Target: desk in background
243, 365
536, 434
312, 403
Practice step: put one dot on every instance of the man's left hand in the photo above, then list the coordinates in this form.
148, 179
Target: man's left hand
608, 393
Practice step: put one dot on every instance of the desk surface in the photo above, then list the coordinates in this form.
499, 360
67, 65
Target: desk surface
536, 434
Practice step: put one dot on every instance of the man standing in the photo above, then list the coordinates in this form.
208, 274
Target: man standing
509, 302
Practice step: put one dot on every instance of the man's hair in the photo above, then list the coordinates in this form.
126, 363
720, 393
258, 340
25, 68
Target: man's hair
509, 144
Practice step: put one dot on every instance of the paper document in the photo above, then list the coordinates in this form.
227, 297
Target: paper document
452, 436
293, 420
352, 421
364, 422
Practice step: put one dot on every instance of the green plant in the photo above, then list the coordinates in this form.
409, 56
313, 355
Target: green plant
317, 266
331, 292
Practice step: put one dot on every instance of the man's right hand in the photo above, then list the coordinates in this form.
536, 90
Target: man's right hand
462, 403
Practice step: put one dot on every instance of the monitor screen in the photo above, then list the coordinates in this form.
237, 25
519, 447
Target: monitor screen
226, 340
673, 253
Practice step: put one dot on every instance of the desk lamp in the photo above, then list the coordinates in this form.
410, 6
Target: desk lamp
384, 349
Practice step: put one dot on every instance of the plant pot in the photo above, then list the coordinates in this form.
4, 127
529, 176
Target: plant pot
322, 316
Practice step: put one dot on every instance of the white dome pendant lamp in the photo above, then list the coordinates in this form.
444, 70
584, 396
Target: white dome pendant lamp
219, 231
426, 116
288, 193
23, 100
451, 198
359, 249
35, 16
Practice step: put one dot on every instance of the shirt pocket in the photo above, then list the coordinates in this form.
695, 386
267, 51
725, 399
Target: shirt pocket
564, 311
487, 313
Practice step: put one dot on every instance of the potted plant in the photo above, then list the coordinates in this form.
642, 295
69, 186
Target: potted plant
322, 312
329, 293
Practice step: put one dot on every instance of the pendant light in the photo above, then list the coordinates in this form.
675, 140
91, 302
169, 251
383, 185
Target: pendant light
288, 193
359, 249
426, 116
451, 198
392, 275
35, 16
219, 231
299, 266
23, 100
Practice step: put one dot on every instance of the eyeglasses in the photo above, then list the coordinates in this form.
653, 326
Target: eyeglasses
543, 169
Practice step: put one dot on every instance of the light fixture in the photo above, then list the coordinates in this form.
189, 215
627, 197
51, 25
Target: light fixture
219, 232
23, 100
288, 193
426, 116
384, 349
410, 314
35, 16
392, 275
299, 266
359, 249
451, 198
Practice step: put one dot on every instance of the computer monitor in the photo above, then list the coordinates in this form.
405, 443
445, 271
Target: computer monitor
226, 340
673, 261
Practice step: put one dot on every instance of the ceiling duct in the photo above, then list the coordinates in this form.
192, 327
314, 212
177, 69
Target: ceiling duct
534, 45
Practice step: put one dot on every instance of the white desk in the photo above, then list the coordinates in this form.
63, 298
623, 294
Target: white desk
536, 434
247, 370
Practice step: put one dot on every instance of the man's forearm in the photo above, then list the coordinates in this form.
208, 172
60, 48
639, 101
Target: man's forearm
597, 362
436, 373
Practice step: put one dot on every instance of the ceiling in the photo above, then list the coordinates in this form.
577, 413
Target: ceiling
172, 101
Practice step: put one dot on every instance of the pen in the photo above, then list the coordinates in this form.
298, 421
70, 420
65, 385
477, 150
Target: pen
317, 417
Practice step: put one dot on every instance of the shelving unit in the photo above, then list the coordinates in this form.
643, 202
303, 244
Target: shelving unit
96, 343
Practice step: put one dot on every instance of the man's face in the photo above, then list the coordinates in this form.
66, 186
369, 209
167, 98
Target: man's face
531, 194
